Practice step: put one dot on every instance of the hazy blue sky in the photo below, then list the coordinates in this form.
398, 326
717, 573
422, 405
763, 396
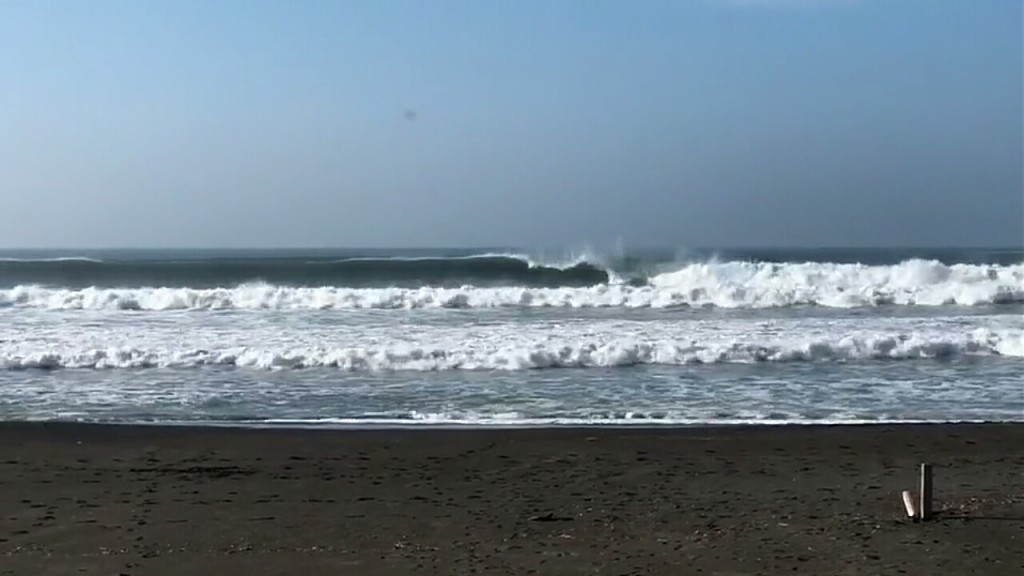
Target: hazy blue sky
548, 122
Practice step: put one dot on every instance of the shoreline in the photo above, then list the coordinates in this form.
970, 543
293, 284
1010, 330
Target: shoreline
152, 499
379, 426
384, 429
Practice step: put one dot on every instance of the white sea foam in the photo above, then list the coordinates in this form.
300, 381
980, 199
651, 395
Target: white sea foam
511, 367
492, 352
713, 284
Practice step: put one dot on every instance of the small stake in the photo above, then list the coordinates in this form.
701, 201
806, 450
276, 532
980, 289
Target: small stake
926, 491
908, 502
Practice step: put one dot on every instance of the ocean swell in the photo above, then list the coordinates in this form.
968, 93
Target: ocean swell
480, 270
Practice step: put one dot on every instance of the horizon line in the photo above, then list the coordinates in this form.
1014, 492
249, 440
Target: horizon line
512, 247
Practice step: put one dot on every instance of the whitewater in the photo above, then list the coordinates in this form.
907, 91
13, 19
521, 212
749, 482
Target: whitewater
500, 337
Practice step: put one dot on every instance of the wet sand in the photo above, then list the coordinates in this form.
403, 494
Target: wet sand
87, 499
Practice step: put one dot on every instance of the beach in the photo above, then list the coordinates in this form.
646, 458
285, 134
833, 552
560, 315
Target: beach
706, 287
97, 499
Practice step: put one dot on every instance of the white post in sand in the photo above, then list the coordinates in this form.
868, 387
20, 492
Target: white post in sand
926, 491
908, 501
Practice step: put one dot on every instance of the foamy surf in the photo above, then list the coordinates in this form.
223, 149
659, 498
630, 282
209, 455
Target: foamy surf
491, 352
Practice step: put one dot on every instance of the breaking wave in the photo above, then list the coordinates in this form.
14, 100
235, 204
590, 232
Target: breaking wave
707, 284
558, 353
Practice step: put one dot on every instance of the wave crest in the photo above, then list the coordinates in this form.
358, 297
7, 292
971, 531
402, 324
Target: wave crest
710, 284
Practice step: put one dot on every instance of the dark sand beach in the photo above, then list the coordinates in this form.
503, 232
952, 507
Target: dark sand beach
88, 499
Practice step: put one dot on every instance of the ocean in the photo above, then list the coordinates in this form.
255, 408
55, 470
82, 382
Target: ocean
498, 337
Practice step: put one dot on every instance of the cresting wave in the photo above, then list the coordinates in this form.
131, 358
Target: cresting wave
552, 354
710, 284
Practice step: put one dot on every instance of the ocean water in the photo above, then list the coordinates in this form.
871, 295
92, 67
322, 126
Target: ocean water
505, 337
